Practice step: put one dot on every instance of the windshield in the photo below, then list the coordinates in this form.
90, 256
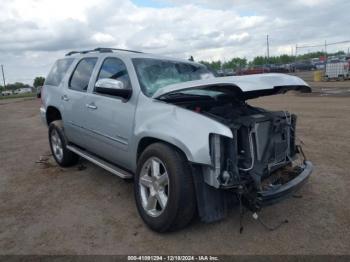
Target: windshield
154, 74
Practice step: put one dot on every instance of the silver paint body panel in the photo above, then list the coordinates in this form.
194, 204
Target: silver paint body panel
114, 129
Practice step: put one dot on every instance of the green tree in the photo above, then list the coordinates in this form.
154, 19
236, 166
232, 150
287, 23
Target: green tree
214, 65
235, 63
259, 60
16, 85
39, 81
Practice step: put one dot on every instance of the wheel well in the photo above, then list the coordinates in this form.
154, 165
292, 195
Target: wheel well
52, 114
147, 141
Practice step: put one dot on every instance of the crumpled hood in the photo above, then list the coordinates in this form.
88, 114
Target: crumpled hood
247, 86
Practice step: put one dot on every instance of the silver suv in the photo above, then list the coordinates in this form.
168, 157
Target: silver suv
190, 141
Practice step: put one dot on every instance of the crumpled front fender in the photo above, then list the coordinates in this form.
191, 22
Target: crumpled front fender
185, 129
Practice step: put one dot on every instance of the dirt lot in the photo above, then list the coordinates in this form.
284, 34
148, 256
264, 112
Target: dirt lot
45, 209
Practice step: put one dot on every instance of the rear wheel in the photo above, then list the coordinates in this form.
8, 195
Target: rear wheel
164, 190
58, 145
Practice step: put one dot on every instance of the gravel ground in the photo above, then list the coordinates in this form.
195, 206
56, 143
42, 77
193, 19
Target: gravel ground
45, 209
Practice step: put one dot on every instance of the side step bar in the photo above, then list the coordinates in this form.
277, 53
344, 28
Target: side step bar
101, 163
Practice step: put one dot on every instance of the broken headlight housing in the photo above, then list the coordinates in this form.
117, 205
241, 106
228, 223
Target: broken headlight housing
223, 171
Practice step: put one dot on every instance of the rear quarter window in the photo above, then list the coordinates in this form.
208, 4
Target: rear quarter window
58, 71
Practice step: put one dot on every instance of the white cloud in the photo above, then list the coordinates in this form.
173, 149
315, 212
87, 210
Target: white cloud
33, 33
103, 38
312, 3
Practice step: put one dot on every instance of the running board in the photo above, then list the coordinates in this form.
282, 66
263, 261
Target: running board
101, 163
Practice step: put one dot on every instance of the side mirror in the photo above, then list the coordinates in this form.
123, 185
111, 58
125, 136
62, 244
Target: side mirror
112, 87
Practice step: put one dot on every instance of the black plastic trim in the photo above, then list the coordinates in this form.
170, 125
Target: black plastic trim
272, 196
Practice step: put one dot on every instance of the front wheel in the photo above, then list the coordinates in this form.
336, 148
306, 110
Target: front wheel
163, 187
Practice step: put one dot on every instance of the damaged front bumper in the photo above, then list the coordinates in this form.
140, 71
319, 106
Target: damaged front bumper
275, 194
214, 203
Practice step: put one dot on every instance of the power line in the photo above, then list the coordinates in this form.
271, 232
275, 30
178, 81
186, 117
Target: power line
322, 45
341, 42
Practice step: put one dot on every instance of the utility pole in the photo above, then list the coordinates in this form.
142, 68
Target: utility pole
268, 48
3, 76
325, 50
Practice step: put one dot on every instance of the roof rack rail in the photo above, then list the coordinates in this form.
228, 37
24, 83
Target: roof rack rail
101, 50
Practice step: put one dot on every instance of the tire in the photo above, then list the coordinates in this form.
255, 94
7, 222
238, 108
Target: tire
180, 206
58, 145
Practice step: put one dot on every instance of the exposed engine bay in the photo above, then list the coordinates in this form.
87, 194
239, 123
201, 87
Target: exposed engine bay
263, 142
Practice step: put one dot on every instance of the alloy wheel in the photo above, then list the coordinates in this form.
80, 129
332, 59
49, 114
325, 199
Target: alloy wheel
56, 144
154, 186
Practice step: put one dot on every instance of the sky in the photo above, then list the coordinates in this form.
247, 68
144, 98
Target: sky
34, 33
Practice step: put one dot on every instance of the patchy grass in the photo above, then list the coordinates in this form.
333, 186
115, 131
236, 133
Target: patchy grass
18, 96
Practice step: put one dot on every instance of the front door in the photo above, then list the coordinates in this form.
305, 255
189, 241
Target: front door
110, 118
74, 101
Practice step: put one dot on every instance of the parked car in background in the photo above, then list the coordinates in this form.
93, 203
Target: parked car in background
314, 61
6, 93
253, 70
38, 91
190, 140
220, 72
320, 65
229, 72
225, 72
277, 69
333, 59
302, 66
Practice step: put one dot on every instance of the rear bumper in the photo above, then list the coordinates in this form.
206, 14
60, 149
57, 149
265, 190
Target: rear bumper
272, 196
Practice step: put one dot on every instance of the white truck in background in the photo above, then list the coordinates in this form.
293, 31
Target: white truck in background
22, 90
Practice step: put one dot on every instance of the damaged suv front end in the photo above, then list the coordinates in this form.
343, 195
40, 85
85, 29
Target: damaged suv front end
261, 162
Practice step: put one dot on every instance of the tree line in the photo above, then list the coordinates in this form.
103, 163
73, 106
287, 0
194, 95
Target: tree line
236, 62
38, 81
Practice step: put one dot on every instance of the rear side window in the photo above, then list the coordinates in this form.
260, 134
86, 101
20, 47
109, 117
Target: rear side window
81, 76
58, 71
114, 68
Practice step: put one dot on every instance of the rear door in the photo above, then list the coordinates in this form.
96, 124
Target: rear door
74, 101
110, 118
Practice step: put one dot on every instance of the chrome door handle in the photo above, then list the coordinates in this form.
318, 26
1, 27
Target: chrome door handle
65, 98
91, 106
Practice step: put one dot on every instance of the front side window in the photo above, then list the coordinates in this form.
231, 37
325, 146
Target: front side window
58, 71
115, 68
81, 76
154, 74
